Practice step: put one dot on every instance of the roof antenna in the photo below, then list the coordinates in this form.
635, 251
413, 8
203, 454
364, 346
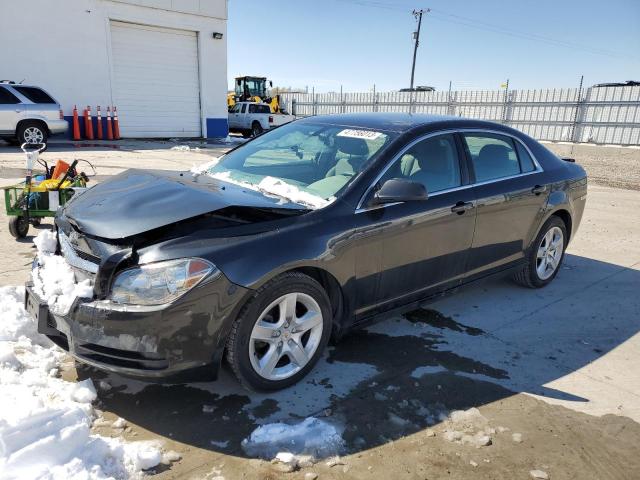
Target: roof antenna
20, 82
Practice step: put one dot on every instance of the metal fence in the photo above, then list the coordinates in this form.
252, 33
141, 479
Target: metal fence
602, 115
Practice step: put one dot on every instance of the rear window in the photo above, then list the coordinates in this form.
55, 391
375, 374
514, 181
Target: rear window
35, 94
7, 98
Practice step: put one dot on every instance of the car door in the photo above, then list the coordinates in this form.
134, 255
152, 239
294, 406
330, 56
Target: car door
423, 244
511, 198
234, 116
11, 111
247, 119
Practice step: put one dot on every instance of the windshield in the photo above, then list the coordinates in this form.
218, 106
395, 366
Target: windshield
253, 88
306, 163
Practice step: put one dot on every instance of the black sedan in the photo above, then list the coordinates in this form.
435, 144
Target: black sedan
301, 235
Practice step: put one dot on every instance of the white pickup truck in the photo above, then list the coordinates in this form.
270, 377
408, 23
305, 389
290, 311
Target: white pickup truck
251, 119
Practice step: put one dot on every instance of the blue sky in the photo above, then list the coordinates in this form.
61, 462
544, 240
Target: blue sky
475, 44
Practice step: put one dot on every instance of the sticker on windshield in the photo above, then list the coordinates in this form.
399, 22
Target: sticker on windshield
363, 134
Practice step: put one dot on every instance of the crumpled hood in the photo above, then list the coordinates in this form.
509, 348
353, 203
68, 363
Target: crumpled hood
136, 201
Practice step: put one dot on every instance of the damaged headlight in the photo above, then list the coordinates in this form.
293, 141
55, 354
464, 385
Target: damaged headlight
158, 283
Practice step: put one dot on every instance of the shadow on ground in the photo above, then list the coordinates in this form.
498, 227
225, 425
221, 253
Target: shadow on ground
398, 377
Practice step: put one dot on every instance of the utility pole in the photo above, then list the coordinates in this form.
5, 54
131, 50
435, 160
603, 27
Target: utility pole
416, 35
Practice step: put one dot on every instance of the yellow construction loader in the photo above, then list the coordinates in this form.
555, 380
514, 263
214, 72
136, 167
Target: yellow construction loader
253, 89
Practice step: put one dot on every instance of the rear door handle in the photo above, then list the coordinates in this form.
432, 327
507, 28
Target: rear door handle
538, 189
461, 207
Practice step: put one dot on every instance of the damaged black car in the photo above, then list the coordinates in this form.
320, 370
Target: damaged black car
300, 235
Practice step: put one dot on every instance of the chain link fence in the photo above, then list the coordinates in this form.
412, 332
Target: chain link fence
601, 115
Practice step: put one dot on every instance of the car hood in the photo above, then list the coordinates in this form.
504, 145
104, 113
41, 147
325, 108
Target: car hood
136, 201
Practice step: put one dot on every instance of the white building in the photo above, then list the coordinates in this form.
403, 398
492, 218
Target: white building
163, 63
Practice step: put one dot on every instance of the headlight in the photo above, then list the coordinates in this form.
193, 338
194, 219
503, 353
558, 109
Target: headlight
158, 283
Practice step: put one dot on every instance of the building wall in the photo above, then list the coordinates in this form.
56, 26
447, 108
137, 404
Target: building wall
65, 47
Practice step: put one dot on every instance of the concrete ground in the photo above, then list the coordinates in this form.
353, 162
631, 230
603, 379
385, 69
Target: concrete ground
557, 366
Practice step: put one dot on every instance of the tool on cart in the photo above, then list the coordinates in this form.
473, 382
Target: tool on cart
41, 195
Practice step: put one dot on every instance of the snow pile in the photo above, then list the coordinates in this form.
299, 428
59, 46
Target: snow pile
45, 422
275, 186
53, 279
299, 443
185, 148
468, 427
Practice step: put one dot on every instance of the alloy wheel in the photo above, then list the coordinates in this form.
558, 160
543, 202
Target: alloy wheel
286, 336
549, 253
33, 135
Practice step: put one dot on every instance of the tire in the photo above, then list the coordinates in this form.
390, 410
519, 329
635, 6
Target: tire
18, 227
32, 132
263, 316
256, 129
540, 270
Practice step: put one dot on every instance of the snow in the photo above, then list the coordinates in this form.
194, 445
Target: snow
185, 148
274, 186
53, 279
202, 168
45, 421
468, 427
540, 474
119, 423
311, 437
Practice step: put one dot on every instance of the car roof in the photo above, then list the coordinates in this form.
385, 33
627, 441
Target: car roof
6, 84
399, 122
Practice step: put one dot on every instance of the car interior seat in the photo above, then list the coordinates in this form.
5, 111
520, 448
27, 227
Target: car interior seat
351, 155
437, 166
493, 162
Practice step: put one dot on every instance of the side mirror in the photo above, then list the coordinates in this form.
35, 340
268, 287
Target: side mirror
399, 190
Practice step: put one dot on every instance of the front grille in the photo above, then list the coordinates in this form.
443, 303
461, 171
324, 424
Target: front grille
122, 358
76, 257
60, 340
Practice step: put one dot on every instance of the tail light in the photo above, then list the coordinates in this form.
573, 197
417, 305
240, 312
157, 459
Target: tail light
270, 119
61, 114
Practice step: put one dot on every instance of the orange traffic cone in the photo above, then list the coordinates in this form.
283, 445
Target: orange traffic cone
99, 118
116, 124
89, 123
76, 124
109, 127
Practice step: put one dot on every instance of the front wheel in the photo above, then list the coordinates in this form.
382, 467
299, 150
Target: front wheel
545, 256
18, 227
280, 333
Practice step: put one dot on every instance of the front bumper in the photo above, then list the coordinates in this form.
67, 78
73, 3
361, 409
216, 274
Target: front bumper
57, 126
180, 341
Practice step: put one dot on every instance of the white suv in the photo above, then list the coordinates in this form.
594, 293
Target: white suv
28, 114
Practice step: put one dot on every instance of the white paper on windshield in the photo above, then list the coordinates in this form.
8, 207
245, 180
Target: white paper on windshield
363, 134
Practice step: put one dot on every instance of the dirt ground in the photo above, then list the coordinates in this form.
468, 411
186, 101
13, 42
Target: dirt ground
553, 371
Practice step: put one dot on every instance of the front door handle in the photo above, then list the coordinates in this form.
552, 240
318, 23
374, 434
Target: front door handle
461, 207
538, 189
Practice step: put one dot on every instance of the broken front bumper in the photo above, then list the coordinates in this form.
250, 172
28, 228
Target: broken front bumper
178, 341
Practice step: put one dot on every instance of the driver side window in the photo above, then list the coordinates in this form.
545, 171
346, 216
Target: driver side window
432, 162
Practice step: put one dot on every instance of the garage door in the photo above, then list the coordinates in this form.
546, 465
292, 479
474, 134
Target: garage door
155, 81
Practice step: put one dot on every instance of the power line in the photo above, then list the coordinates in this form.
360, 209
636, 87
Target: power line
443, 16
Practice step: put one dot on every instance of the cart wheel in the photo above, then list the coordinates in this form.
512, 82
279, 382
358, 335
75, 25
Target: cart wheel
18, 227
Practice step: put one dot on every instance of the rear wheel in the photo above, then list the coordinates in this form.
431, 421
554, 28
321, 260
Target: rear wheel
18, 227
32, 132
256, 129
280, 333
546, 255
